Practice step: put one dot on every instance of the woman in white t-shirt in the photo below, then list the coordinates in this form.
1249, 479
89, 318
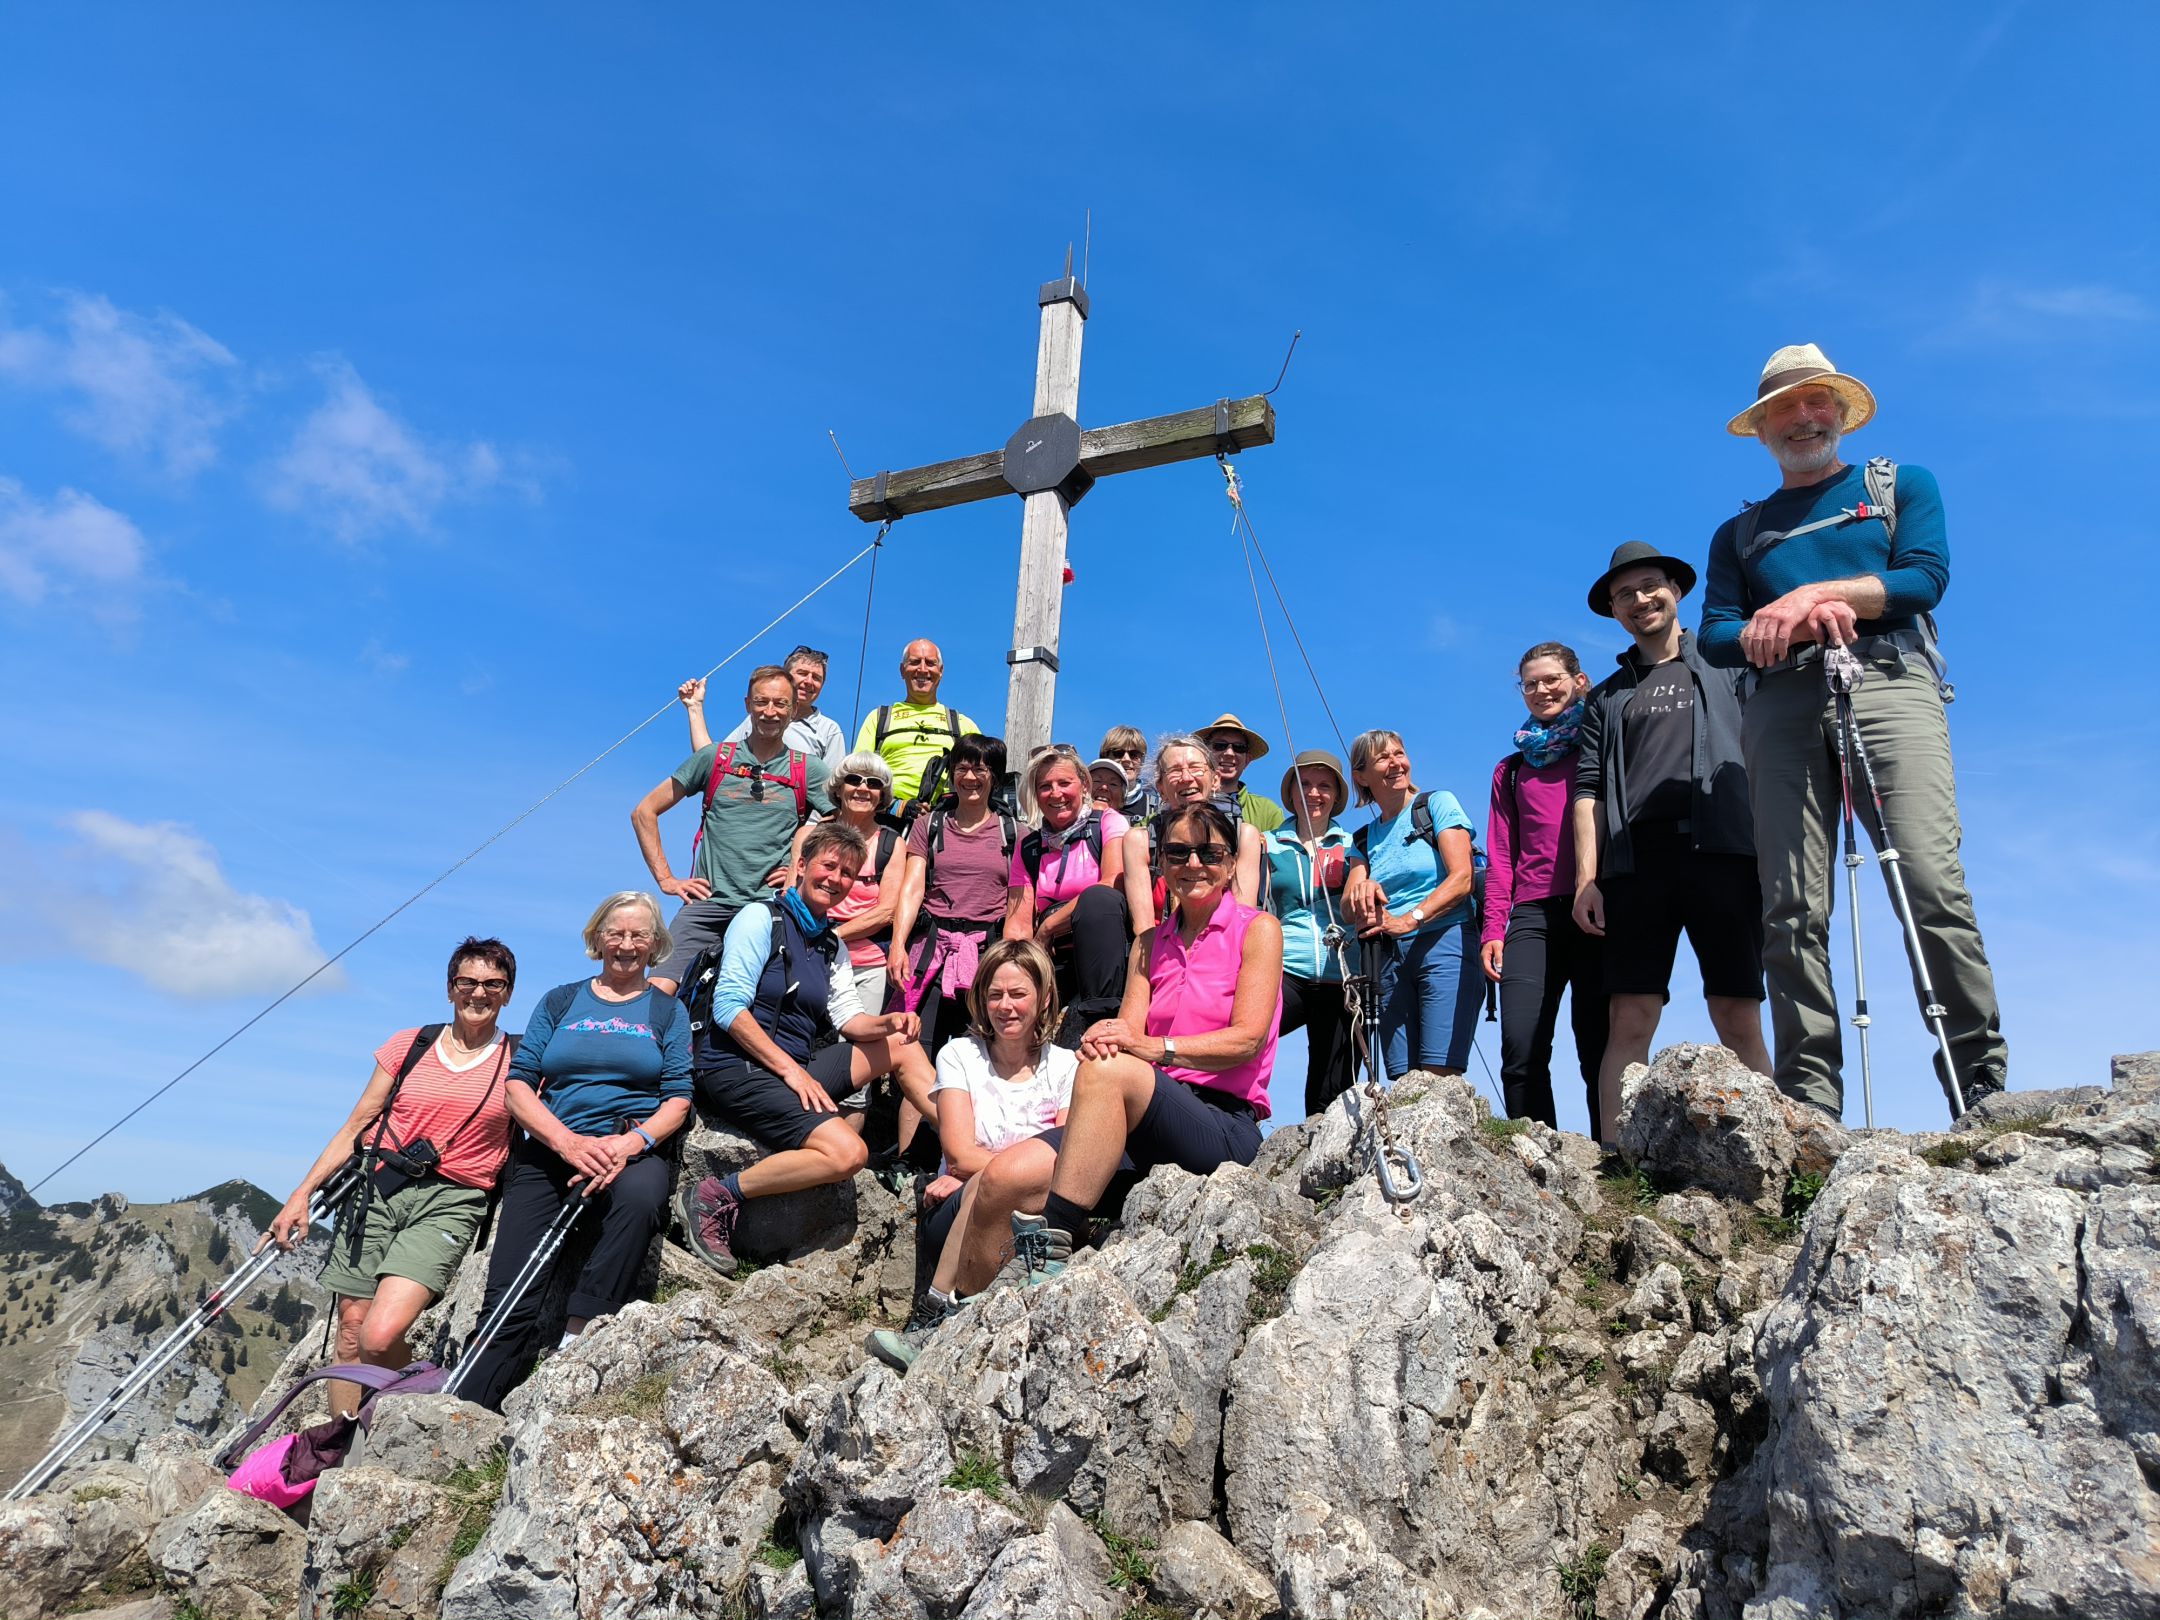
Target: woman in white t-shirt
1001, 1094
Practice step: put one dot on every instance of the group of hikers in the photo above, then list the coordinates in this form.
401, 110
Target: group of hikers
1016, 983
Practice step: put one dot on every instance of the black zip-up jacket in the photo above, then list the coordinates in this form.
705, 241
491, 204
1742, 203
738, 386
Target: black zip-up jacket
1721, 822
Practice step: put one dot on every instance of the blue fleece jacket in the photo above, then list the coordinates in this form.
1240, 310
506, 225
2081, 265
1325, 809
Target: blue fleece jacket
1914, 569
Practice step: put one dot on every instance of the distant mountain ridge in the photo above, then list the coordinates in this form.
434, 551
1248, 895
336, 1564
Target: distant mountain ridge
90, 1287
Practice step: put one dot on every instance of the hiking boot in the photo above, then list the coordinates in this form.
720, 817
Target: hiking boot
899, 1350
709, 1212
1039, 1251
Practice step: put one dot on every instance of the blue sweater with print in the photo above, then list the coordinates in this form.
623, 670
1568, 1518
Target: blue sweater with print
603, 1061
1914, 568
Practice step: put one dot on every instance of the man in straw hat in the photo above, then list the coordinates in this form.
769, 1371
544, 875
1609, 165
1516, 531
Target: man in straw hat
1232, 745
1858, 556
1663, 837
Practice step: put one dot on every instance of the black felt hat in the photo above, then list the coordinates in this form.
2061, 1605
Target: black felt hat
1637, 554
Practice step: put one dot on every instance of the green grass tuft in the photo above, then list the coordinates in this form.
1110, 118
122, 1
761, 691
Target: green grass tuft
1579, 1577
353, 1597
976, 1472
1494, 1133
476, 1491
640, 1398
774, 1553
1131, 1570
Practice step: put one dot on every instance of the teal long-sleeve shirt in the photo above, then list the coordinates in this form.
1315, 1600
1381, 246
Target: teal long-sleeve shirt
1914, 568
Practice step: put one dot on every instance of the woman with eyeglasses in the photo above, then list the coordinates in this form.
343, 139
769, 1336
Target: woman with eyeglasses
439, 1086
1180, 1075
953, 888
1413, 908
601, 1078
1126, 747
862, 791
1062, 890
1184, 776
1530, 944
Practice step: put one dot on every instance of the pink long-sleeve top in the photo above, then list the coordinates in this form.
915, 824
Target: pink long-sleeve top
1527, 838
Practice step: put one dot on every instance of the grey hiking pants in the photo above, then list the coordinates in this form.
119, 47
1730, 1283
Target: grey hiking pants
1790, 738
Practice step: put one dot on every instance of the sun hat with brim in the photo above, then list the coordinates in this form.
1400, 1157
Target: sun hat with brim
1803, 365
1320, 759
1637, 554
1255, 744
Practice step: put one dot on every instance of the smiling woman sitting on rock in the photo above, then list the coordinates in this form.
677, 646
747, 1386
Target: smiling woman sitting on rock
788, 1033
1180, 1075
600, 1080
1001, 1093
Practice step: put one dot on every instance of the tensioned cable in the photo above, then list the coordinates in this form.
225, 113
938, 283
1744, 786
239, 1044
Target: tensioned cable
446, 873
1244, 517
862, 653
1249, 546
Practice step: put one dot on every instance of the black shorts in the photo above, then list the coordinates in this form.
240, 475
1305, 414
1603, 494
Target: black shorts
758, 1103
1717, 899
1193, 1127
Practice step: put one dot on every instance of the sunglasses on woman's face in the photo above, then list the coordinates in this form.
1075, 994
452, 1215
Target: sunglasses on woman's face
1209, 854
852, 780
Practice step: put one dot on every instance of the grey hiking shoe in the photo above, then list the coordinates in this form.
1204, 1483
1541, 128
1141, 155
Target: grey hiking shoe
709, 1212
1039, 1251
899, 1350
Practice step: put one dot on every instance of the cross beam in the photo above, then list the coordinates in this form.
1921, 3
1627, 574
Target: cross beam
1051, 462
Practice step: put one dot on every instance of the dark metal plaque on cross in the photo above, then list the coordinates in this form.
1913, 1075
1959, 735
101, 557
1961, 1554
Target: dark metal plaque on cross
1051, 462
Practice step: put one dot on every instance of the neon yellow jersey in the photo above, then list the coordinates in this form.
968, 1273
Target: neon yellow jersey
909, 736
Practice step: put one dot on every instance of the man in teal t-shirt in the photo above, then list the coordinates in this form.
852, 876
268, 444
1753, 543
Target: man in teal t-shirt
768, 790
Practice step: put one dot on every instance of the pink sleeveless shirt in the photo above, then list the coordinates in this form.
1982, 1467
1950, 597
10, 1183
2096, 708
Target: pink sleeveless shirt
1191, 992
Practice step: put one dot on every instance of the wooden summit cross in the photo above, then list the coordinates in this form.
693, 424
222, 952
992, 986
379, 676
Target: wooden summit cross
1050, 462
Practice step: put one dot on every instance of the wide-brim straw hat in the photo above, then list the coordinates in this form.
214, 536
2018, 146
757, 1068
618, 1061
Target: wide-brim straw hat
1255, 744
1637, 554
1803, 365
1321, 758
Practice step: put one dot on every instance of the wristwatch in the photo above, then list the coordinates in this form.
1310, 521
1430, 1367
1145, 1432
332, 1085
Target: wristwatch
1169, 1048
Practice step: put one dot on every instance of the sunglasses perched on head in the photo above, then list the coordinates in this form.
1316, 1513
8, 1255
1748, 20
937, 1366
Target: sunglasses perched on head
1176, 854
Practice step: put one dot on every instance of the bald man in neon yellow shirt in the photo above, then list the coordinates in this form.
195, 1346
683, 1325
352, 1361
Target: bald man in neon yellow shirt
909, 735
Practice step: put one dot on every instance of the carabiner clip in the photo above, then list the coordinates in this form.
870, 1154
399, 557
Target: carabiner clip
1399, 1192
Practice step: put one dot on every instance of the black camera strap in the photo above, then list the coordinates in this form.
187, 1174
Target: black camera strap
370, 1153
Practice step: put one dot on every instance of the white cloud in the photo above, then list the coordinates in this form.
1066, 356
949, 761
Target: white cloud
151, 386
2003, 311
70, 542
384, 660
357, 469
166, 912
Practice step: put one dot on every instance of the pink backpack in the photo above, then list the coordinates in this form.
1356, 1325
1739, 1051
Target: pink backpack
283, 1473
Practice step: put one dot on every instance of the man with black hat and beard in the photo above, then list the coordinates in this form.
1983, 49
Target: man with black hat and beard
1664, 840
1853, 556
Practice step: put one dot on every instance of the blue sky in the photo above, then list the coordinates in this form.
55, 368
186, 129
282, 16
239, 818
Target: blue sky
396, 402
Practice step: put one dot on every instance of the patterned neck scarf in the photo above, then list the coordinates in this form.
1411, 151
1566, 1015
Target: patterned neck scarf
1542, 744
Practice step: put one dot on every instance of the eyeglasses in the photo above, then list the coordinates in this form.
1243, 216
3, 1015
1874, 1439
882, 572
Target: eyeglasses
1125, 753
1229, 745
853, 780
627, 936
480, 987
1548, 683
1628, 593
1207, 854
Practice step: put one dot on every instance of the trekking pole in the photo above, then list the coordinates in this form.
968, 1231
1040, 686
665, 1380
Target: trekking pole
535, 1267
1860, 1019
325, 1202
1843, 671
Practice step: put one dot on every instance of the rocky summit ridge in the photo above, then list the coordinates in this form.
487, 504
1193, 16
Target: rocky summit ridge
1765, 1367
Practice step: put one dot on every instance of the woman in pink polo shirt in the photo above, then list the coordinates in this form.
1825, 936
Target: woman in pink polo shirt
1180, 1075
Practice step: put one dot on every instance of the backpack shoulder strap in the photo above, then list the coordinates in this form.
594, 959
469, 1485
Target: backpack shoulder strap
425, 1037
1009, 828
952, 722
1879, 478
1421, 820
798, 775
934, 841
1094, 835
884, 727
1362, 839
888, 838
368, 1377
1031, 854
723, 761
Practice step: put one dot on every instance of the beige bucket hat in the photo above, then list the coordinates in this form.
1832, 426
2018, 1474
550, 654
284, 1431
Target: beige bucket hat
1256, 745
1802, 365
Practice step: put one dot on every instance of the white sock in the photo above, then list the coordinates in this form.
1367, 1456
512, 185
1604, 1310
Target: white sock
939, 1297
